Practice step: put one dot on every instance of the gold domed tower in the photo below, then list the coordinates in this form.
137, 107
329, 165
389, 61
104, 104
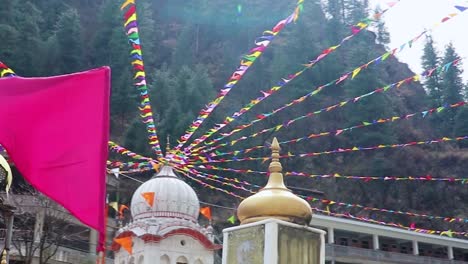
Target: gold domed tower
275, 200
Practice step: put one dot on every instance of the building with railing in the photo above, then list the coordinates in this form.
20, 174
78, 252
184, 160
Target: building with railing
350, 241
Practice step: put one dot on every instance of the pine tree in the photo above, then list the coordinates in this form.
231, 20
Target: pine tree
431, 60
452, 81
461, 125
383, 37
69, 40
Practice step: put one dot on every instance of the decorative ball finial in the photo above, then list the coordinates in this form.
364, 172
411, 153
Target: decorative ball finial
274, 200
3, 259
168, 145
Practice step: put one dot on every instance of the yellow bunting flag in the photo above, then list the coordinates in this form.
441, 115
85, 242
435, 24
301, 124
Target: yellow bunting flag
355, 72
126, 243
128, 2
206, 212
448, 233
149, 197
5, 169
114, 205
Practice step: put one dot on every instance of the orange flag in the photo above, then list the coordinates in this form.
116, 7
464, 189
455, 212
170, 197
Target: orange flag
149, 197
126, 243
121, 209
206, 212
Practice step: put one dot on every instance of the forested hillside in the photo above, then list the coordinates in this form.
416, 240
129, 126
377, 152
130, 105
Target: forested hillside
192, 47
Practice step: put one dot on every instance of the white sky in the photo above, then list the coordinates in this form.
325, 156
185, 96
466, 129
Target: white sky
410, 17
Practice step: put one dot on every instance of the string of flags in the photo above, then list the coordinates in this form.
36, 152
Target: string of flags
364, 178
348, 75
448, 233
360, 26
336, 132
329, 203
397, 85
121, 150
339, 150
206, 185
247, 61
146, 113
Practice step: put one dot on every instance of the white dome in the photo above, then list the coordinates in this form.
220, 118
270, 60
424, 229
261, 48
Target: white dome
173, 198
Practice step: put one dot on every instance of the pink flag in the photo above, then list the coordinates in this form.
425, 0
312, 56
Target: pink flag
56, 131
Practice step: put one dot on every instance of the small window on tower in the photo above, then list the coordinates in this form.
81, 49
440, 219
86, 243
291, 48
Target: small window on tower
182, 242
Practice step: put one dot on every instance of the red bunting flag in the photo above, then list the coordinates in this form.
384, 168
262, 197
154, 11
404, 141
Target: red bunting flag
206, 212
56, 130
126, 243
149, 198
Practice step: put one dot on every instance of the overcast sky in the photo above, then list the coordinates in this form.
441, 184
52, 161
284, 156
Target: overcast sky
410, 17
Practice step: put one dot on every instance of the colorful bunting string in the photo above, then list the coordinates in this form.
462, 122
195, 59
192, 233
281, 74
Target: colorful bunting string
5, 71
414, 78
448, 233
206, 185
356, 29
364, 178
132, 165
339, 150
225, 181
337, 132
146, 114
247, 61
121, 150
367, 208
352, 74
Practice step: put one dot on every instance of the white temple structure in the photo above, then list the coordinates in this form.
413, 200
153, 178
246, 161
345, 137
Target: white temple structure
168, 231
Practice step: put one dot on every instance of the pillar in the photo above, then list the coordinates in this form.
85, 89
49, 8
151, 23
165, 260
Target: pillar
450, 252
331, 235
271, 243
93, 237
39, 224
415, 248
375, 242
9, 217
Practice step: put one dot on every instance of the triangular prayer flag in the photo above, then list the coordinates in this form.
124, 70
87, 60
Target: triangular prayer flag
5, 169
126, 243
206, 212
355, 72
461, 8
232, 219
149, 197
114, 205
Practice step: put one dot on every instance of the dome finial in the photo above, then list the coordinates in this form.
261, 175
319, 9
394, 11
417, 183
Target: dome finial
274, 200
168, 146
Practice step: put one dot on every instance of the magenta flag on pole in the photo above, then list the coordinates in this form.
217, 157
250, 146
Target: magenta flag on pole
55, 131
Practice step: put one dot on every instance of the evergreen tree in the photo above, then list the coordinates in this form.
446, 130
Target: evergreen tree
430, 60
452, 81
69, 40
383, 37
183, 53
461, 125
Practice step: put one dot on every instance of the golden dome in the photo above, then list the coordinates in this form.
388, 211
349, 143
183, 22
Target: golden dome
274, 200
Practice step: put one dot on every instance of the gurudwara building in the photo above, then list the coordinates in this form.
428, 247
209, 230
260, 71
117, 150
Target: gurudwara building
166, 232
